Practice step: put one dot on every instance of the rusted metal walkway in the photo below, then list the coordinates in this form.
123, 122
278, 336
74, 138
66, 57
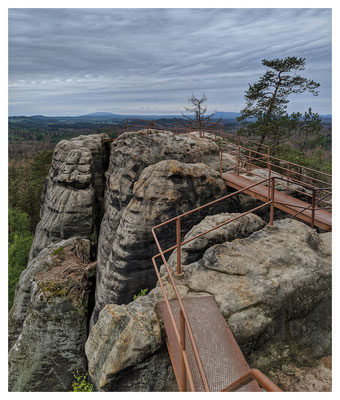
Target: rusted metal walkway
291, 205
204, 354
221, 357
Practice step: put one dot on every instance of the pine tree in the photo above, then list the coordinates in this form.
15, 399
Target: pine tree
267, 99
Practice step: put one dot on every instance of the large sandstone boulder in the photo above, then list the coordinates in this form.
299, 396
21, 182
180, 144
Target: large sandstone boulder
163, 191
48, 322
128, 334
273, 288
73, 192
130, 154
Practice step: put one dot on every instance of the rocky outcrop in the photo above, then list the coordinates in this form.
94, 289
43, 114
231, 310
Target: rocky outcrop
272, 284
130, 154
128, 333
276, 275
162, 191
72, 193
272, 287
48, 322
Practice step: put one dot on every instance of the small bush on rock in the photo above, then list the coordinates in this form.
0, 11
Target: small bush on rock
142, 293
80, 383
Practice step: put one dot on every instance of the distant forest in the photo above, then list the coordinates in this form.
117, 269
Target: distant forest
28, 135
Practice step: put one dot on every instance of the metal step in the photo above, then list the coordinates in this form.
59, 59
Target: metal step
221, 357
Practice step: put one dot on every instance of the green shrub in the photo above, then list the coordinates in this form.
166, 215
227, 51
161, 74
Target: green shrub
142, 293
59, 252
80, 383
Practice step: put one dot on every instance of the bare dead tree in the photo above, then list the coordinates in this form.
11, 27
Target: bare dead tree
199, 108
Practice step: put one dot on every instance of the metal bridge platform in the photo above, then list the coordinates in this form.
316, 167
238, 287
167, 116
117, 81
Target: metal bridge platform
222, 359
289, 204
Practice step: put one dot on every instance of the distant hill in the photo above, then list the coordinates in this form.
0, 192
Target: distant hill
108, 116
226, 115
100, 115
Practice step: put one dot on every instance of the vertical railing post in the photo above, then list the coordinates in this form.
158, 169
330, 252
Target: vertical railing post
272, 194
268, 157
221, 154
288, 176
313, 210
178, 243
269, 176
127, 125
238, 157
182, 348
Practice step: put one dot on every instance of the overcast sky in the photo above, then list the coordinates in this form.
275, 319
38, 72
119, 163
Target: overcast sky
149, 61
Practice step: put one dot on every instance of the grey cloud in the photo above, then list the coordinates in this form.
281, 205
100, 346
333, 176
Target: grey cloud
137, 59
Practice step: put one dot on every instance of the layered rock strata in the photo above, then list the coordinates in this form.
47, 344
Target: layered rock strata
48, 322
73, 193
143, 191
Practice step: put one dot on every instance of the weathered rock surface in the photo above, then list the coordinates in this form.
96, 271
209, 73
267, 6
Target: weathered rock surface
273, 288
123, 337
163, 191
267, 281
130, 154
72, 193
315, 377
240, 228
48, 322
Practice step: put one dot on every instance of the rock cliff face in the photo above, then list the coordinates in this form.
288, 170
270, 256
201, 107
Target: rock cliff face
72, 193
163, 191
48, 322
143, 191
271, 284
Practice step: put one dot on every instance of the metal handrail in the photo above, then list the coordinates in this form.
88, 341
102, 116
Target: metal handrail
249, 376
289, 163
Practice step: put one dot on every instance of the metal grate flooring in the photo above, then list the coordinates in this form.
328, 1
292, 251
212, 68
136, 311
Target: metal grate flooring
222, 359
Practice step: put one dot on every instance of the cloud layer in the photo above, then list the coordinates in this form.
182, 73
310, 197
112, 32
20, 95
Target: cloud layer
75, 61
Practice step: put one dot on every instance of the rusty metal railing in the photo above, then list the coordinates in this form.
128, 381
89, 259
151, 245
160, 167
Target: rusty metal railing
184, 324
310, 189
253, 374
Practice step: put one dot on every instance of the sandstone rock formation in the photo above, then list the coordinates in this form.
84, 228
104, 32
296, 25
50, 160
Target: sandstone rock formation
72, 193
163, 191
272, 287
143, 191
272, 284
48, 322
